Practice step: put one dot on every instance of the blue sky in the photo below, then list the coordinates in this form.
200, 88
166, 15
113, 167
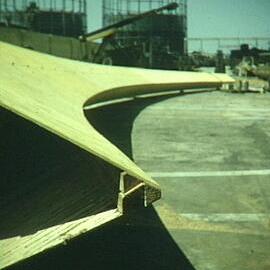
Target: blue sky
213, 18
210, 18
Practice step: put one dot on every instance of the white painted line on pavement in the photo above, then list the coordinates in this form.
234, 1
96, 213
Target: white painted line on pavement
209, 173
228, 217
215, 109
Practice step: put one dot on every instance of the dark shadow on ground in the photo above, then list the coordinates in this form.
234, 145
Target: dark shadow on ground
115, 121
138, 241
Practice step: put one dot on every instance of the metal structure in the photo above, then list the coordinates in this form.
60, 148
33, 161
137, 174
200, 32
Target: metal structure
59, 17
157, 41
212, 44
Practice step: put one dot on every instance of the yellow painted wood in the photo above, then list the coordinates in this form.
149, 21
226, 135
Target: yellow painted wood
17, 248
52, 92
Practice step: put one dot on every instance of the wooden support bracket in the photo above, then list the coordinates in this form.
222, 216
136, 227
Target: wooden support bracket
135, 193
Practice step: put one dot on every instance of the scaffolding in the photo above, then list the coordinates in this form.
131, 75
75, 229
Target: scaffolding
60, 17
113, 9
168, 29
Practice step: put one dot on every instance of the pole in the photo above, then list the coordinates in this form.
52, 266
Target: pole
63, 17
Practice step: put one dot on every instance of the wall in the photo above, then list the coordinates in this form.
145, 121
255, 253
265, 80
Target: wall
59, 46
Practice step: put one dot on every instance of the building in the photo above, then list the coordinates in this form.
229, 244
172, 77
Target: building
156, 41
58, 17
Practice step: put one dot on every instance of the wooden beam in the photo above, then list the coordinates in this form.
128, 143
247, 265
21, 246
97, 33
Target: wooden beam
51, 92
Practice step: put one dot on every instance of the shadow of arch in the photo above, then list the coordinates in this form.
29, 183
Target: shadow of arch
115, 121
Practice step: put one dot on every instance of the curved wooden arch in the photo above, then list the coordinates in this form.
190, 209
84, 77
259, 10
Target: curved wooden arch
52, 92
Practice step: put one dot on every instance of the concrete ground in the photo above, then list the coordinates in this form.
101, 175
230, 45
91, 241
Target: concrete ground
210, 152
